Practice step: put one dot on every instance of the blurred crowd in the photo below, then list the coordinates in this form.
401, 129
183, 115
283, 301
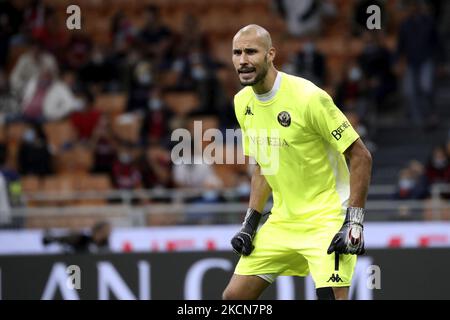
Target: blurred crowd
61, 75
117, 104
416, 178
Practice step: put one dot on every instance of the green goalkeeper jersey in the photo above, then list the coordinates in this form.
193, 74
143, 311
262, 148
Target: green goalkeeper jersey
297, 135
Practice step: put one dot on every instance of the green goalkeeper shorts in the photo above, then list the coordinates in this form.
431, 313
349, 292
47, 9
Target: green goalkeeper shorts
283, 249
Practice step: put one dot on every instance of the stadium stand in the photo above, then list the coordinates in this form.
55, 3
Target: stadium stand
143, 56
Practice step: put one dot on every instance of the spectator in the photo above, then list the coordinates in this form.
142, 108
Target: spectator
156, 168
156, 120
350, 92
34, 17
60, 100
78, 50
418, 44
412, 183
198, 174
47, 98
34, 155
438, 167
52, 34
98, 70
195, 174
11, 19
309, 63
104, 146
95, 241
9, 104
122, 31
376, 64
85, 120
142, 81
192, 35
29, 66
155, 36
125, 171
197, 71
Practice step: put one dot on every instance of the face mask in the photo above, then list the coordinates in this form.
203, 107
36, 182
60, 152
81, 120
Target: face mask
79, 104
29, 135
354, 74
97, 58
243, 189
178, 65
308, 47
406, 184
198, 73
155, 104
439, 163
145, 78
124, 158
210, 195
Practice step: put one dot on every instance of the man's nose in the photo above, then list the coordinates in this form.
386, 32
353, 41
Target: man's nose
243, 60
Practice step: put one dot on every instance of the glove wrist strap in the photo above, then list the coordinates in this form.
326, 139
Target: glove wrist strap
355, 215
252, 218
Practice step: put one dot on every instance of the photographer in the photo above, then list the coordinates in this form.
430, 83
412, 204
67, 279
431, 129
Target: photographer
97, 241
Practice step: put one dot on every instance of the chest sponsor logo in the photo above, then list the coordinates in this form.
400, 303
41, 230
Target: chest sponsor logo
269, 141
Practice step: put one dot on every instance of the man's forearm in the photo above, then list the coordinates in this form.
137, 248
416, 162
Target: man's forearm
260, 191
360, 171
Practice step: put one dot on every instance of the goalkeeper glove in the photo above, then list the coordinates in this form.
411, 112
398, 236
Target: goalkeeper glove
242, 241
350, 238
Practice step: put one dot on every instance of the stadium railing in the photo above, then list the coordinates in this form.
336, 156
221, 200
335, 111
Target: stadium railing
193, 206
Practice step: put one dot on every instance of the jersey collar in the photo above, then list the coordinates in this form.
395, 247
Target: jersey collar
264, 97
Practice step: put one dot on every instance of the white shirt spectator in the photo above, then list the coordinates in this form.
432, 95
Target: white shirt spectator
196, 175
58, 102
28, 67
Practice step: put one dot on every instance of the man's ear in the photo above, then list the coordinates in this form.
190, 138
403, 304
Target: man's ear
271, 54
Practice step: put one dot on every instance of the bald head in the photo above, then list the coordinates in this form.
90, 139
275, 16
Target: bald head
253, 56
256, 32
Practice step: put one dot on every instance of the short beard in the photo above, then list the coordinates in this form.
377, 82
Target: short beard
259, 77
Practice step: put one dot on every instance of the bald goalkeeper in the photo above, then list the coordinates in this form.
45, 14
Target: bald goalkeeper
300, 140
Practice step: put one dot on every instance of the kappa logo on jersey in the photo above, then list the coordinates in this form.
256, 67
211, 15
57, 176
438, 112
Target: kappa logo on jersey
284, 118
337, 133
335, 278
248, 112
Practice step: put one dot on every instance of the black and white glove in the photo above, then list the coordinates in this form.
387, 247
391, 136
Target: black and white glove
242, 241
350, 238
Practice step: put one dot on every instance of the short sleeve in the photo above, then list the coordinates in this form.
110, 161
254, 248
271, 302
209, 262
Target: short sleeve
329, 122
